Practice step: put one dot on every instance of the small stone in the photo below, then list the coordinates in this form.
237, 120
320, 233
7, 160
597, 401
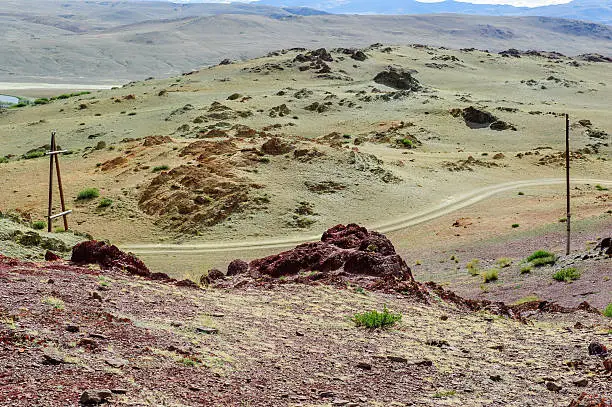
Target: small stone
608, 364
597, 349
204, 330
552, 386
397, 359
116, 363
52, 357
340, 402
93, 397
98, 336
326, 394
582, 382
444, 317
364, 366
96, 296
495, 378
299, 333
195, 388
578, 325
72, 328
119, 391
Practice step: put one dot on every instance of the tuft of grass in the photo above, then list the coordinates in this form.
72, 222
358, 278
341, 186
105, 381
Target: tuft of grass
490, 275
39, 224
600, 188
54, 302
105, 203
103, 281
473, 267
88, 193
187, 362
526, 269
159, 168
608, 311
538, 254
374, 319
569, 274
443, 394
4, 160
515, 225
529, 298
504, 262
521, 193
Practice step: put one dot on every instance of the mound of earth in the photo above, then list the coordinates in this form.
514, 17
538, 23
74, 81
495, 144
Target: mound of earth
189, 197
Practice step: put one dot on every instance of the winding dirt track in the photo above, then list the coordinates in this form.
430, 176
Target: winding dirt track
449, 205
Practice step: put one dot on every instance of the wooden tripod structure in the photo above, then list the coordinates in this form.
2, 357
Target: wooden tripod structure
54, 157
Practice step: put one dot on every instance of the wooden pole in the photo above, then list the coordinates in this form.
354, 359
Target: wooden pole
50, 183
567, 183
59, 184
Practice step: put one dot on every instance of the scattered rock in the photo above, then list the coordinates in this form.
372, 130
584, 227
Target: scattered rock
205, 330
93, 397
582, 382
475, 118
50, 256
108, 257
364, 366
598, 349
276, 146
236, 267
500, 125
72, 328
552, 386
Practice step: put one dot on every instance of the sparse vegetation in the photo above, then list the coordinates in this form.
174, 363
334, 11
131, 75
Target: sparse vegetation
600, 188
4, 160
608, 311
490, 275
406, 142
515, 225
568, 274
526, 269
88, 193
443, 394
504, 262
103, 281
374, 319
521, 193
159, 168
56, 303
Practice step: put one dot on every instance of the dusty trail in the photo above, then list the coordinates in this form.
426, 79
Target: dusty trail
447, 206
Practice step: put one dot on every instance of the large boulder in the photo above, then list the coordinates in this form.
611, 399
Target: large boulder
398, 78
108, 257
349, 249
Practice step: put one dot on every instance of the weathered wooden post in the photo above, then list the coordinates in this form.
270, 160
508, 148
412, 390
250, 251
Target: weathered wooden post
567, 183
54, 156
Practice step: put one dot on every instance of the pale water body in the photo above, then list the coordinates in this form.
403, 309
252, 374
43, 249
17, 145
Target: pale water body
6, 99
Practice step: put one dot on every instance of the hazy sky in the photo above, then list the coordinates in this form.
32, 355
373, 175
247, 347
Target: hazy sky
523, 3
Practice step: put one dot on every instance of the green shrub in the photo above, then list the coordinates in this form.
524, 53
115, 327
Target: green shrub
526, 269
538, 254
543, 261
473, 267
374, 319
515, 225
88, 193
41, 101
521, 193
600, 188
105, 203
34, 154
568, 274
490, 275
159, 168
608, 311
406, 142
39, 224
4, 160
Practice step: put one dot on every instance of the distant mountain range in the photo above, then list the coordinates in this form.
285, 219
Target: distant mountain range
599, 11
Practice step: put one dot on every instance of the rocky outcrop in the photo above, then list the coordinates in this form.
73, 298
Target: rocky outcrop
476, 118
398, 78
276, 146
